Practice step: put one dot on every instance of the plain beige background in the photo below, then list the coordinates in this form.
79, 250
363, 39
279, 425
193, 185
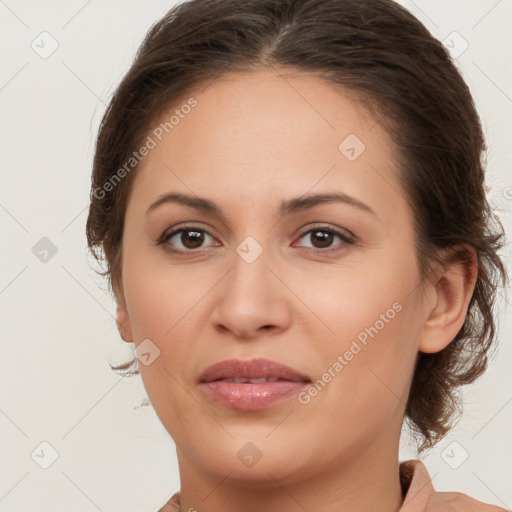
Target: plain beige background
60, 62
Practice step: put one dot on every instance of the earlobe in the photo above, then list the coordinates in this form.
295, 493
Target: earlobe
452, 291
123, 322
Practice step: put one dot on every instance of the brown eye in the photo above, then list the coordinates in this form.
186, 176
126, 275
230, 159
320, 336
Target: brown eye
185, 239
191, 239
323, 238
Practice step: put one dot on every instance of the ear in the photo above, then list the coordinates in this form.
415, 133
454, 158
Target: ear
449, 291
122, 318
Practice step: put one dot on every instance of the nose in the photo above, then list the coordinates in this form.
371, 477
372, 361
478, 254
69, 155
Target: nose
252, 300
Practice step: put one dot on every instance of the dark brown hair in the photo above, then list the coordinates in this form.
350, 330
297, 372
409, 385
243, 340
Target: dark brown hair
383, 56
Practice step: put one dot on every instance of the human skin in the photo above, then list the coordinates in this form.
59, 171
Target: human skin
252, 141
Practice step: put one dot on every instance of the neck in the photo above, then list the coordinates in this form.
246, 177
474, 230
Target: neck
364, 482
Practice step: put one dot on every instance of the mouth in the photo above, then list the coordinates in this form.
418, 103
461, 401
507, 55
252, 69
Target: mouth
251, 385
242, 380
254, 371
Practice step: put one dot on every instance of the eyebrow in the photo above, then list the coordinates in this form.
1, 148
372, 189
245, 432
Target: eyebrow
287, 207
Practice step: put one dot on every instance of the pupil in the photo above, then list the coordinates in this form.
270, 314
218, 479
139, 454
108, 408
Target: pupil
196, 239
325, 238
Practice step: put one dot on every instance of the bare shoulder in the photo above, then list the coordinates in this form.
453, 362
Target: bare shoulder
459, 502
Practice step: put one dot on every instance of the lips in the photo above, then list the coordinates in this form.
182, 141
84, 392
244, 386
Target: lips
251, 385
262, 370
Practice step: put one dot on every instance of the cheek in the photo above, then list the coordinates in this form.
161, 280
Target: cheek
374, 325
160, 300
361, 300
363, 390
160, 296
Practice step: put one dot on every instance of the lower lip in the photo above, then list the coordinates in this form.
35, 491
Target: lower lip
251, 397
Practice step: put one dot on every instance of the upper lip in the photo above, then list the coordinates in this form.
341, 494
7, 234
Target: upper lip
251, 369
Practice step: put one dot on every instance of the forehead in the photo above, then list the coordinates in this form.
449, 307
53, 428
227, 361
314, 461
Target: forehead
269, 131
274, 108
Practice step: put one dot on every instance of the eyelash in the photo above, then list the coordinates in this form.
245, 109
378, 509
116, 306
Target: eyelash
167, 236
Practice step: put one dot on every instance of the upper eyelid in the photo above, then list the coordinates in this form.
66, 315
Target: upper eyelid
170, 232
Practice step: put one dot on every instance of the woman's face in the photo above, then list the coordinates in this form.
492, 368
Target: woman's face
328, 288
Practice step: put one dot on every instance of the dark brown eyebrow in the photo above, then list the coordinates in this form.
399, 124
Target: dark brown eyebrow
287, 207
309, 201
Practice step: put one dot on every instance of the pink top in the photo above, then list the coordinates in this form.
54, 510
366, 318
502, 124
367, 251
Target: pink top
420, 495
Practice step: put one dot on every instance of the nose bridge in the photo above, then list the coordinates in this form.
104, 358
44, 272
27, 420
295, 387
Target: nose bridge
251, 296
250, 250
251, 275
